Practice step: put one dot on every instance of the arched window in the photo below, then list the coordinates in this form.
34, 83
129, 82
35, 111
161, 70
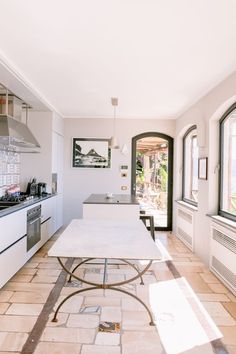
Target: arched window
227, 203
190, 166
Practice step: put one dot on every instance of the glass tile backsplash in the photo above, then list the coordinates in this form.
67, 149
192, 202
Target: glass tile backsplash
9, 171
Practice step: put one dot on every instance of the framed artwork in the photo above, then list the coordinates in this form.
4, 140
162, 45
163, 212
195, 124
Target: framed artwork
202, 168
91, 153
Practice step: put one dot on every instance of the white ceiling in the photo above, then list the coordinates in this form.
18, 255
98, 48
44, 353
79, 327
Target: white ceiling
157, 56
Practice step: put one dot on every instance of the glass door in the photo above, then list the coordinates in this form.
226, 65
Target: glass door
152, 169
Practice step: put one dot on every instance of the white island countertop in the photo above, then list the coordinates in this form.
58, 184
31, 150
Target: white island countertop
113, 239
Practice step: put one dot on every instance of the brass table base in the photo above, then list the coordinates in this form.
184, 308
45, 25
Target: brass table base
105, 285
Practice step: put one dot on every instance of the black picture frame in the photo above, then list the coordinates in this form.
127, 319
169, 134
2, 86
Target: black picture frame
202, 168
91, 153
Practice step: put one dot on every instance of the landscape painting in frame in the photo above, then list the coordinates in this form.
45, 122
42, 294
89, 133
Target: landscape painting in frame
91, 153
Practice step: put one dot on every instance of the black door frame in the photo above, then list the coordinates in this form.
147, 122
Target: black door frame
170, 172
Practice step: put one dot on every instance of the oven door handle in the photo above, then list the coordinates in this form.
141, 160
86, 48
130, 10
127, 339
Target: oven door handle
33, 221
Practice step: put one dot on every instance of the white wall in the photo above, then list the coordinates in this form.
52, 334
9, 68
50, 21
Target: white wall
205, 114
80, 183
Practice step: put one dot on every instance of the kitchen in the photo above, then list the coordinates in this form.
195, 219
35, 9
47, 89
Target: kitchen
64, 69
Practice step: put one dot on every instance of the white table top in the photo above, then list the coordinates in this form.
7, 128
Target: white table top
114, 239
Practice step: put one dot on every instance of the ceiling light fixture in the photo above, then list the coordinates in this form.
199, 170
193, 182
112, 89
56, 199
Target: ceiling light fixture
113, 141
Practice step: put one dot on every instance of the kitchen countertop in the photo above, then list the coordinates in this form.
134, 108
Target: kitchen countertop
116, 199
24, 204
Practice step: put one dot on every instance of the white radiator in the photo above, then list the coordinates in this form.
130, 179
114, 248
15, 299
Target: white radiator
185, 226
223, 254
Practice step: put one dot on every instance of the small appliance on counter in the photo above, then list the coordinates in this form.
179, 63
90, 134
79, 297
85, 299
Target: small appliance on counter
32, 188
42, 189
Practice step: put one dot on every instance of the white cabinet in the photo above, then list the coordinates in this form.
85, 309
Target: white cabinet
12, 244
111, 211
13, 227
57, 212
12, 260
13, 238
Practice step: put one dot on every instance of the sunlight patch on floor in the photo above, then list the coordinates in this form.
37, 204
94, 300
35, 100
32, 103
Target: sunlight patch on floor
181, 320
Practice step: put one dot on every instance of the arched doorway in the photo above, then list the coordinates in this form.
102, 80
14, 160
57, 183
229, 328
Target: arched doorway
152, 176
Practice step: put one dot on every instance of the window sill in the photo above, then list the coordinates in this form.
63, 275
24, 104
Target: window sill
187, 205
223, 221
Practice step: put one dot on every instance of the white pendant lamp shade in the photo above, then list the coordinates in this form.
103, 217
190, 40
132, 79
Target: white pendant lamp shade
113, 141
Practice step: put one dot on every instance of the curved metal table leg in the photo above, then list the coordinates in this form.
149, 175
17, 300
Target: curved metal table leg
138, 299
78, 265
70, 295
104, 286
135, 268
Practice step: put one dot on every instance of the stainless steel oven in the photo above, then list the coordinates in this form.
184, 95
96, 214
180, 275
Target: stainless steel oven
33, 226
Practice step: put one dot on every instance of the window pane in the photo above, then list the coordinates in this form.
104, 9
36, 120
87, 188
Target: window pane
228, 196
190, 167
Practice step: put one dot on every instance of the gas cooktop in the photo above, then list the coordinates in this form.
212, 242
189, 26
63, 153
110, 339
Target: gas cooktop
8, 201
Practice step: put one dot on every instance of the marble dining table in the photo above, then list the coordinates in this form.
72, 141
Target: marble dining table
124, 240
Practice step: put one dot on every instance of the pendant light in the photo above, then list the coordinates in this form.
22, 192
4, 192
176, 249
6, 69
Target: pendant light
113, 141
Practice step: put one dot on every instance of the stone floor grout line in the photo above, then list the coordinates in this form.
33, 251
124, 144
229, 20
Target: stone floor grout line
34, 336
217, 345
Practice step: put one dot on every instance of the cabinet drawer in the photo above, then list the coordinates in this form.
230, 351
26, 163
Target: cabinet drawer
12, 260
13, 227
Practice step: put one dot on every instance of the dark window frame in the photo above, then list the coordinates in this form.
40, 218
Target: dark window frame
186, 200
225, 116
170, 173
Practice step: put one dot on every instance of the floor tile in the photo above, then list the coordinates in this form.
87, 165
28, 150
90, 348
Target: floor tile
102, 301
57, 348
136, 321
22, 278
83, 321
218, 288
231, 349
24, 309
5, 295
12, 341
70, 335
197, 283
111, 314
213, 297
231, 308
27, 271
72, 305
215, 309
28, 287
229, 334
11, 323
100, 349
139, 343
3, 307
131, 305
29, 297
208, 277
44, 279
49, 272
107, 339
61, 320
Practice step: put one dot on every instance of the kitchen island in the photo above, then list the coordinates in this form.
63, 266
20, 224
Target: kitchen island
119, 206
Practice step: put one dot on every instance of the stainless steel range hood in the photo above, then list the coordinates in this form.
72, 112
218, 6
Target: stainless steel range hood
16, 136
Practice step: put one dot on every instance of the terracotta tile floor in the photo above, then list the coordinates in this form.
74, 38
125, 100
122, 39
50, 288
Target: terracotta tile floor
180, 300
